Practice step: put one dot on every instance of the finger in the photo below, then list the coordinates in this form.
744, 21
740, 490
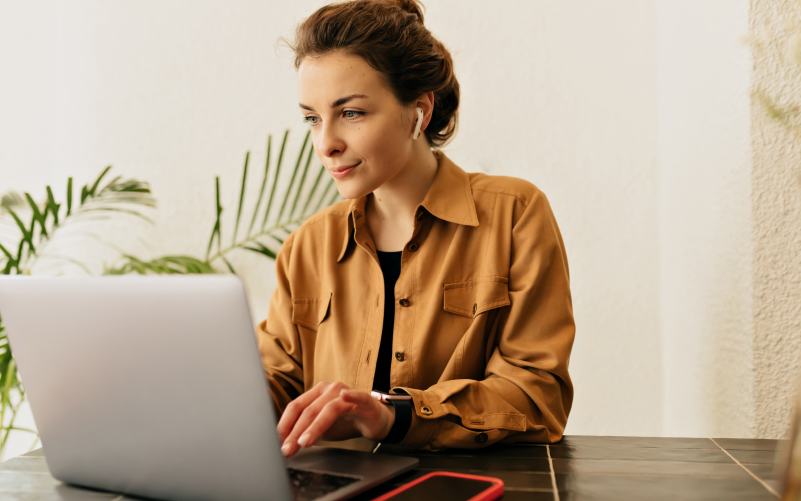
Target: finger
296, 407
332, 411
358, 397
307, 416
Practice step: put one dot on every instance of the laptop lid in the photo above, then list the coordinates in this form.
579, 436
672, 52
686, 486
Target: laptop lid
182, 409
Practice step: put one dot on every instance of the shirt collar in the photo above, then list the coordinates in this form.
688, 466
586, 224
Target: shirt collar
450, 198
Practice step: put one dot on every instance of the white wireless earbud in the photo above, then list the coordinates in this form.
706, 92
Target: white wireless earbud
419, 123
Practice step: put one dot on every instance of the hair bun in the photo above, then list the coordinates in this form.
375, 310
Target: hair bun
410, 6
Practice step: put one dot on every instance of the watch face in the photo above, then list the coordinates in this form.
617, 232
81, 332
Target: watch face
385, 397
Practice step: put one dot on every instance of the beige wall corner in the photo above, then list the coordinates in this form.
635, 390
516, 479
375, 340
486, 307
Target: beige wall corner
776, 216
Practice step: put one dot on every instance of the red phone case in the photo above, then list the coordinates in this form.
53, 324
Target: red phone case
491, 493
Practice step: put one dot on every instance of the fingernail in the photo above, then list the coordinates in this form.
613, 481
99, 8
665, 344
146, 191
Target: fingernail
285, 449
303, 440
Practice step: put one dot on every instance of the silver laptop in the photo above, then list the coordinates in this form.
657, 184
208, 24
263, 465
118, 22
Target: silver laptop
153, 386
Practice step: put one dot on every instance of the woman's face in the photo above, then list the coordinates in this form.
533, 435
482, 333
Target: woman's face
360, 132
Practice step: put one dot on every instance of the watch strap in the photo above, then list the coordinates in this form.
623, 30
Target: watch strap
403, 420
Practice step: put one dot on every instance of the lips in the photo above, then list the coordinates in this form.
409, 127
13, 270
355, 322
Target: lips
342, 172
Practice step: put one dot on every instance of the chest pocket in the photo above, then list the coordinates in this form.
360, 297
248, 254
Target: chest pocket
310, 312
469, 299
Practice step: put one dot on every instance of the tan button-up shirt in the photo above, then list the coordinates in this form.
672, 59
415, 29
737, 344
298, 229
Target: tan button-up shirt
483, 313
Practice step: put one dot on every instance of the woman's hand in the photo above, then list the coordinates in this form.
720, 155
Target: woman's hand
332, 411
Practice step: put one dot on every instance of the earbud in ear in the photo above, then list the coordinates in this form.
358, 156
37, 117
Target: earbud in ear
419, 125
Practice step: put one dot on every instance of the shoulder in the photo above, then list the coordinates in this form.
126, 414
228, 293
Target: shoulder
511, 187
336, 213
323, 230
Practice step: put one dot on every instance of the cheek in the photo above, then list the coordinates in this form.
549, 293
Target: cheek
383, 144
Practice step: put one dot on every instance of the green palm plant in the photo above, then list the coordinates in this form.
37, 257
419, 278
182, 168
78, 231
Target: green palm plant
25, 244
271, 220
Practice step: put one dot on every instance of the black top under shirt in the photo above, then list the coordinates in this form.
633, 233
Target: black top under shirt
390, 267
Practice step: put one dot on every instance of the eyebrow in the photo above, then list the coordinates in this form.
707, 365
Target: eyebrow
338, 102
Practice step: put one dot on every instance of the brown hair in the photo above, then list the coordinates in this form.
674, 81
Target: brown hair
390, 36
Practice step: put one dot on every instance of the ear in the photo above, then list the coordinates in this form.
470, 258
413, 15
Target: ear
426, 103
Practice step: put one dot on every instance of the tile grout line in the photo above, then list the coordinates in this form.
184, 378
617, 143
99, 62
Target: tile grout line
765, 485
553, 473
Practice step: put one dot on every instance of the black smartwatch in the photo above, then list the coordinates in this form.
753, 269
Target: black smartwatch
403, 415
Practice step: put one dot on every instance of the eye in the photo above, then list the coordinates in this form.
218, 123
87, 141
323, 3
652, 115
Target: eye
310, 120
355, 114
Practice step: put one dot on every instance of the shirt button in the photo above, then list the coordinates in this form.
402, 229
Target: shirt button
399, 356
413, 247
481, 438
475, 307
425, 410
404, 302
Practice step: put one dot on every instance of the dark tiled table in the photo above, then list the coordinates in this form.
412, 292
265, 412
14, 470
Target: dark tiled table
578, 468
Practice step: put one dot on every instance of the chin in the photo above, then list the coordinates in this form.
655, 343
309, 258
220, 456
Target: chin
350, 190
353, 188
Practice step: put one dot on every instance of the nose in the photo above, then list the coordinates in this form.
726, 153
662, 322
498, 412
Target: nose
329, 141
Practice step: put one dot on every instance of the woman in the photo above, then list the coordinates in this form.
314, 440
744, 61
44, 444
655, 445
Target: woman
451, 288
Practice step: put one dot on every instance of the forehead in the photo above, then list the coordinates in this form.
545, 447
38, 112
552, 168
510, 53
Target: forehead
325, 79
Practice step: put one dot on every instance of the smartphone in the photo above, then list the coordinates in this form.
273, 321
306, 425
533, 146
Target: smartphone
442, 485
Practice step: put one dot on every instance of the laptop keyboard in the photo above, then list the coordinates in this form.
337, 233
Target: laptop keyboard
309, 485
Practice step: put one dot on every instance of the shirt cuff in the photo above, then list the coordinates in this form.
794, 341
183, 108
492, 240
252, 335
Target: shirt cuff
426, 419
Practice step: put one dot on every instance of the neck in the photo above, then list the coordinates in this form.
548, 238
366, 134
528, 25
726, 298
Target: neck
398, 198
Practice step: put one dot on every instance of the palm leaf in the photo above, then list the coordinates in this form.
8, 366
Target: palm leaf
261, 249
11, 200
118, 196
241, 196
161, 266
90, 192
68, 259
302, 183
52, 206
37, 215
288, 218
5, 251
288, 191
216, 231
275, 181
263, 184
69, 196
130, 212
123, 197
228, 264
27, 236
311, 192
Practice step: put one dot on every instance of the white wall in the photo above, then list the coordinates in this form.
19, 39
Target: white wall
585, 99
176, 92
705, 217
562, 97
